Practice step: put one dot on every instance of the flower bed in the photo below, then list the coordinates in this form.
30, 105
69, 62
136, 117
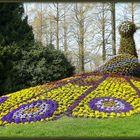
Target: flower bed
114, 97
68, 89
136, 83
34, 111
3, 99
85, 95
108, 104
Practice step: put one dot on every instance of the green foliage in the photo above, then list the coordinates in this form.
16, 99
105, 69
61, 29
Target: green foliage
127, 43
126, 62
127, 28
36, 65
15, 36
8, 56
13, 25
23, 64
43, 64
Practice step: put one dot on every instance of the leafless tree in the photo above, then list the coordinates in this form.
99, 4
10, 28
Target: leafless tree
80, 25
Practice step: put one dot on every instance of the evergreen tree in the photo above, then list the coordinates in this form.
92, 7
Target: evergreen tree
38, 66
15, 36
13, 25
24, 63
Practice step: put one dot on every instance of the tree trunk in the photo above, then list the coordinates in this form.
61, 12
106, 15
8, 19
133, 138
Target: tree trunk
81, 47
57, 27
51, 32
103, 34
113, 24
65, 35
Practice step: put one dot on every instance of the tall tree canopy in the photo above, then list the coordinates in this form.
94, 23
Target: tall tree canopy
13, 25
15, 36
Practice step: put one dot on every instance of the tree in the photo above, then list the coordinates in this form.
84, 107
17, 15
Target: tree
56, 17
39, 26
51, 29
113, 25
15, 36
40, 65
13, 25
132, 11
102, 23
103, 33
65, 27
80, 19
8, 56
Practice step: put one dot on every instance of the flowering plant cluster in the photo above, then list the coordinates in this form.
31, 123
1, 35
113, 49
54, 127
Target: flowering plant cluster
34, 111
84, 95
108, 104
127, 42
114, 97
124, 64
136, 82
24, 106
2, 99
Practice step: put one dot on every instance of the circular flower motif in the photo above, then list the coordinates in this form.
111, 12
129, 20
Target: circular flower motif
33, 111
109, 104
2, 99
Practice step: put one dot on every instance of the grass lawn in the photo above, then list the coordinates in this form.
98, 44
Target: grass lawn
77, 127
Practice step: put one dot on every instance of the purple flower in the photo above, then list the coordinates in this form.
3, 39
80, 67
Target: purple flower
109, 104
33, 111
17, 120
2, 99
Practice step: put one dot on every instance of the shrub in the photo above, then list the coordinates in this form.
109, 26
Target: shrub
36, 65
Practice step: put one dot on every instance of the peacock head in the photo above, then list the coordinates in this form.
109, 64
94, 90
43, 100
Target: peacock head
127, 28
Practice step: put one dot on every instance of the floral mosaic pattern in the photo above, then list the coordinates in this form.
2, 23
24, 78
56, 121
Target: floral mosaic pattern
100, 94
136, 82
126, 62
64, 92
127, 42
34, 111
87, 95
124, 98
108, 104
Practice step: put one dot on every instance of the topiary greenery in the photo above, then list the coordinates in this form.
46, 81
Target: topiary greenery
127, 43
126, 62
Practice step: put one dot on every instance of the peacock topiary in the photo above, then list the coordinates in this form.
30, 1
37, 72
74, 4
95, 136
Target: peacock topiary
126, 61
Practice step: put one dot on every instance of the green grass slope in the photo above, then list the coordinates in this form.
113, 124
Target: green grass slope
77, 127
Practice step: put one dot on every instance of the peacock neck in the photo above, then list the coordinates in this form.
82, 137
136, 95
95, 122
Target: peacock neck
127, 46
